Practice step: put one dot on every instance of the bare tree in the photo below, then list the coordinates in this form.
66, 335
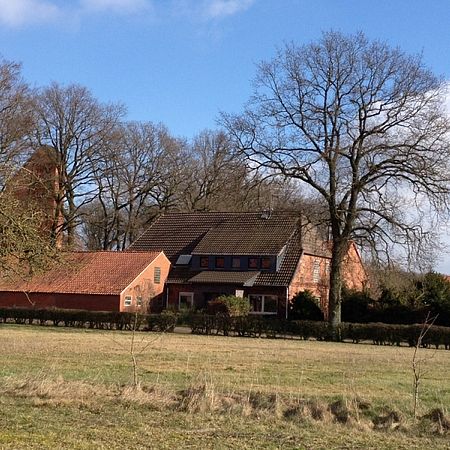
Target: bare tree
216, 177
417, 364
137, 178
362, 127
76, 126
24, 248
219, 179
16, 119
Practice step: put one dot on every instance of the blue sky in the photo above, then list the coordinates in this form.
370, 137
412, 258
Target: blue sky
180, 62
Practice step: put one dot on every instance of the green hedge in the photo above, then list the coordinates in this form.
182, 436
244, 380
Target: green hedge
251, 326
104, 320
377, 333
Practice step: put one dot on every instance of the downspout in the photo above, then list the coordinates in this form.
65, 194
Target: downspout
167, 296
287, 301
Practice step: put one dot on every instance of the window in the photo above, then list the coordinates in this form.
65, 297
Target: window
252, 263
128, 300
183, 260
220, 262
186, 300
266, 263
204, 261
236, 263
263, 304
157, 275
316, 271
139, 300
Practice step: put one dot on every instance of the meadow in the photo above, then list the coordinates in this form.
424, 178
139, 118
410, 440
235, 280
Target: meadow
73, 388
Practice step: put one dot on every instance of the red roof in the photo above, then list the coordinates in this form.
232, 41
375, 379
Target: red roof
107, 273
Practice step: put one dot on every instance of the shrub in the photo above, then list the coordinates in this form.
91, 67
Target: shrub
356, 306
304, 307
229, 305
164, 322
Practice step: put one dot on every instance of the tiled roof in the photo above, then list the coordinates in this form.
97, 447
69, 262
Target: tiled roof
224, 277
283, 276
180, 275
107, 273
248, 235
219, 233
178, 233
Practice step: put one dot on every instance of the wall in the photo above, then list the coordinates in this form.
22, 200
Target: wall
68, 301
200, 290
303, 279
354, 274
36, 185
144, 286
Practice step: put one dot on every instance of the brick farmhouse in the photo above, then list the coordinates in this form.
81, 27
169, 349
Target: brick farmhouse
96, 281
267, 257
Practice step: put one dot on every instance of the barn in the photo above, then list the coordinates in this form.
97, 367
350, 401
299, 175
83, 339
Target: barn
96, 281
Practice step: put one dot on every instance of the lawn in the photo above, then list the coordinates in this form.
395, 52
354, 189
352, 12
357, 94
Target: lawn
69, 388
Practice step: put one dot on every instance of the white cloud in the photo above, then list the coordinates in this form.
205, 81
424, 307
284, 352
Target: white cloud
116, 6
15, 13
217, 9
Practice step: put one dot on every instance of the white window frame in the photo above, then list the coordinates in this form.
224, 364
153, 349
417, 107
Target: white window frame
186, 294
316, 271
128, 300
157, 275
263, 298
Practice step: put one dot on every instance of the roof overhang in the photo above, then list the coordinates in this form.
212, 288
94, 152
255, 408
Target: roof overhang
225, 277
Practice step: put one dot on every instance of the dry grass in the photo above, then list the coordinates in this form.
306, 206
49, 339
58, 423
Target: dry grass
230, 391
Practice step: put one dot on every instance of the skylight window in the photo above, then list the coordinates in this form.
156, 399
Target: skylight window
183, 260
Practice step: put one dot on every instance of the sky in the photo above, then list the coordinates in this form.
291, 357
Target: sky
181, 62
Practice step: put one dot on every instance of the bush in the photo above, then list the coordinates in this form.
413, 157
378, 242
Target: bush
229, 305
164, 322
304, 307
356, 306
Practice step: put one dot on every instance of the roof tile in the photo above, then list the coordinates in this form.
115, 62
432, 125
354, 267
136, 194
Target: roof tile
107, 273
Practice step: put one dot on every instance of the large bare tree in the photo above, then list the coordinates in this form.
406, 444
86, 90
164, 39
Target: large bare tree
362, 127
76, 126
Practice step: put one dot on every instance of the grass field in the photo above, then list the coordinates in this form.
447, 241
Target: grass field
69, 388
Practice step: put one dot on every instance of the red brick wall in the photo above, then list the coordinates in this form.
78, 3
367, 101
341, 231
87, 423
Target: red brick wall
36, 185
69, 301
144, 285
304, 279
353, 273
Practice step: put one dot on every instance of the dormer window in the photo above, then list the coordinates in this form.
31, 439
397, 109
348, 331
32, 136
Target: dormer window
220, 262
253, 263
236, 263
266, 263
204, 262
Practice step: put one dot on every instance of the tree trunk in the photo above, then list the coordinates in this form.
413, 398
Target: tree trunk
334, 303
